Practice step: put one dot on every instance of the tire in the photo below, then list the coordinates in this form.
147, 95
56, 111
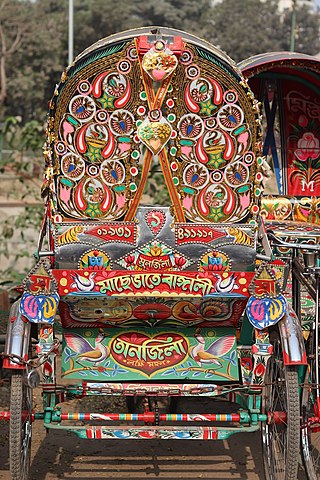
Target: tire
281, 439
131, 404
20, 428
310, 432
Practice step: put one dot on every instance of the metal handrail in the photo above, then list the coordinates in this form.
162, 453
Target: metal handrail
298, 246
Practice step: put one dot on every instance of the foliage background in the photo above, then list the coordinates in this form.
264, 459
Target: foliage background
34, 52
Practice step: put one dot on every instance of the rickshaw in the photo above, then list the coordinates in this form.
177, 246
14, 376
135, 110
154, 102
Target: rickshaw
156, 301
287, 85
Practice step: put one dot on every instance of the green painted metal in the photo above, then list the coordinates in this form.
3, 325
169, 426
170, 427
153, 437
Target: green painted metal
152, 354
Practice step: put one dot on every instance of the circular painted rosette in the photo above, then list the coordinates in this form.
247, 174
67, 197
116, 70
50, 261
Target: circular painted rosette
82, 108
72, 166
190, 126
196, 176
236, 174
112, 172
263, 312
230, 117
186, 57
122, 122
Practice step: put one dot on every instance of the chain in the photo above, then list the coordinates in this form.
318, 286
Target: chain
33, 362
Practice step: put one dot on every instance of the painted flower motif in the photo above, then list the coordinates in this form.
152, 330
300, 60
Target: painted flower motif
179, 261
246, 362
196, 176
191, 126
259, 370
168, 62
308, 147
237, 174
208, 268
199, 95
129, 259
146, 132
93, 210
213, 262
122, 122
97, 261
150, 61
112, 172
115, 89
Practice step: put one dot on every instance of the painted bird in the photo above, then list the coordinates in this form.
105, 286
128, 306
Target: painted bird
85, 351
211, 354
226, 285
84, 284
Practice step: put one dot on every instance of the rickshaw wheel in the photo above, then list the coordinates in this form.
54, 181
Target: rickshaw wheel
310, 432
20, 428
281, 432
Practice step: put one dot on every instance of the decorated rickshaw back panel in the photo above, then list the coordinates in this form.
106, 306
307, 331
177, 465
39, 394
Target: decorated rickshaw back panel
148, 273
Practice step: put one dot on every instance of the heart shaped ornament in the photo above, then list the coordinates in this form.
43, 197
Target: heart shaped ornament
159, 62
154, 135
155, 220
263, 312
149, 353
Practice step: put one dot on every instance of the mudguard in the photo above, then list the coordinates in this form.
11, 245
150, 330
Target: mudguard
18, 338
292, 340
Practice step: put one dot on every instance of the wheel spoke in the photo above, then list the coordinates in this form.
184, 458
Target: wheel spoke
310, 433
20, 428
281, 435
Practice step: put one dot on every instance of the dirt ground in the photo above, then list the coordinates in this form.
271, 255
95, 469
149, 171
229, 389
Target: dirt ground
60, 455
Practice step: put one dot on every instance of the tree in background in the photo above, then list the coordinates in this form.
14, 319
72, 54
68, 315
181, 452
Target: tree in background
36, 66
34, 36
250, 27
96, 19
189, 15
14, 33
246, 28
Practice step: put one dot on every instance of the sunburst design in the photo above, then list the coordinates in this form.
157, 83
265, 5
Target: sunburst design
72, 166
115, 85
236, 174
121, 122
112, 172
230, 116
82, 107
191, 126
196, 176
